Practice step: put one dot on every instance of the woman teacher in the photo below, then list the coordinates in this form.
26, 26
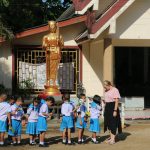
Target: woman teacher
112, 120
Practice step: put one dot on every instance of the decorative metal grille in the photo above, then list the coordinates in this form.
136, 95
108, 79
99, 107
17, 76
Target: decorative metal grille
30, 64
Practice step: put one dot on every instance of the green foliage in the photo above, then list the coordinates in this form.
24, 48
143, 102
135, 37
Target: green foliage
26, 84
4, 3
3, 89
4, 31
23, 14
24, 88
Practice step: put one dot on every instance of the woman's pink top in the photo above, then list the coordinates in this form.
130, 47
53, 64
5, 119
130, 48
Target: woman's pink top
111, 95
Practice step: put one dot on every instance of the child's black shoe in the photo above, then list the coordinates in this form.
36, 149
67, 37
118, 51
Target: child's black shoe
32, 144
14, 144
79, 142
64, 143
43, 145
72, 143
95, 142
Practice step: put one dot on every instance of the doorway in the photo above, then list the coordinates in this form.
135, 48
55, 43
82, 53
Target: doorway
132, 72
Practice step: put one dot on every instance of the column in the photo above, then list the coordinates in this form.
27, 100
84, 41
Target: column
108, 73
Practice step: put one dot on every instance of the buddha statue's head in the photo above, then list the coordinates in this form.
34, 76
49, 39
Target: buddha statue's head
52, 26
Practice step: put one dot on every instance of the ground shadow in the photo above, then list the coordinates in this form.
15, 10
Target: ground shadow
87, 139
53, 140
122, 137
101, 139
127, 125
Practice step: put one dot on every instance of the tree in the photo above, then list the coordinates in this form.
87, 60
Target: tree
4, 31
18, 15
22, 14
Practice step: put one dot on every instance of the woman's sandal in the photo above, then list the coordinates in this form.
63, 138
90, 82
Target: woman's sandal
107, 140
112, 142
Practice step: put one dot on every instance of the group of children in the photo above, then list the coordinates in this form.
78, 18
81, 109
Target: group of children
80, 113
12, 118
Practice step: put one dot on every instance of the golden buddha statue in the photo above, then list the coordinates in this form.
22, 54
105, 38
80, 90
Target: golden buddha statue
52, 44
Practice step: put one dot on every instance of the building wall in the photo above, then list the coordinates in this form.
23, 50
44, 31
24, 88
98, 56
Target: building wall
93, 67
134, 23
108, 72
6, 65
69, 34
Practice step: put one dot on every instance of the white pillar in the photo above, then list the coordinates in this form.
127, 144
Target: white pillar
123, 114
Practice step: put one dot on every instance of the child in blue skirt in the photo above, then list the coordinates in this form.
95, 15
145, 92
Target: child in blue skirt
81, 122
32, 113
5, 111
95, 110
11, 101
16, 117
42, 119
67, 119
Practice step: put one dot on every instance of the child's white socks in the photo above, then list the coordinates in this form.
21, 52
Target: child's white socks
31, 141
94, 139
69, 141
1, 143
41, 143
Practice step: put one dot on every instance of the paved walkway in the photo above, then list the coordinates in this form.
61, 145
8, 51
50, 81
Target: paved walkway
134, 137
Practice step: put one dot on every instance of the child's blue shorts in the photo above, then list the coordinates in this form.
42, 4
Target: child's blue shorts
41, 124
78, 125
94, 125
16, 128
67, 123
32, 128
3, 126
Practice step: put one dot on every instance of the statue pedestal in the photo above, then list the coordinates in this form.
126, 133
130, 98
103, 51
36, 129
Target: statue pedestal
51, 91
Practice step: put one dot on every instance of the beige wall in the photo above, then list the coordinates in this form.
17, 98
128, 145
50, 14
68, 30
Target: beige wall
93, 67
5, 65
134, 23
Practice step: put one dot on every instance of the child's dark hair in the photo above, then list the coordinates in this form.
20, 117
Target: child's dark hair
23, 118
97, 99
66, 96
79, 113
50, 98
81, 95
3, 95
19, 98
13, 97
36, 99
